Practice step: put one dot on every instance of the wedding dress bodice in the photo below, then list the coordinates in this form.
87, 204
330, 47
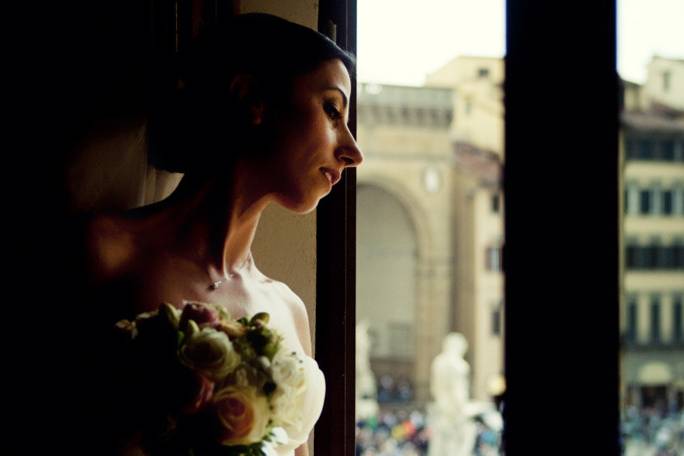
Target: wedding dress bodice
310, 405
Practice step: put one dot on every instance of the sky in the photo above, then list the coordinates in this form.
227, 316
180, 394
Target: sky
418, 37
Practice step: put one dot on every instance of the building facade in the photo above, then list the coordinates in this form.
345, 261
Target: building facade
404, 246
430, 223
431, 227
652, 288
477, 135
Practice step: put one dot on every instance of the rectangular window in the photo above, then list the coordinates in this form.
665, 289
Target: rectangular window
631, 256
666, 202
659, 256
651, 256
679, 151
666, 257
667, 149
496, 321
645, 204
646, 151
495, 203
632, 321
631, 149
678, 255
655, 319
677, 320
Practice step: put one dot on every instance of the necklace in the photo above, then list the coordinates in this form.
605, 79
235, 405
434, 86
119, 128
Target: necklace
215, 285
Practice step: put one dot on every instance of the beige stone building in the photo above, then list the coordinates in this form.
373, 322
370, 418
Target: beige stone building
477, 136
404, 245
652, 288
431, 226
430, 222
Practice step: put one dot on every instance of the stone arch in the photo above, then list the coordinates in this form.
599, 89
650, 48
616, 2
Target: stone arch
411, 205
416, 218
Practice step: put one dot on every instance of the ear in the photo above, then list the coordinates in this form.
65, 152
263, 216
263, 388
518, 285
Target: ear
256, 112
245, 93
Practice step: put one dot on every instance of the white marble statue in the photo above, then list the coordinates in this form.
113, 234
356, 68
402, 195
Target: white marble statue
453, 431
366, 386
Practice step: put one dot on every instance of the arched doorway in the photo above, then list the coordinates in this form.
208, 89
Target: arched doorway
386, 289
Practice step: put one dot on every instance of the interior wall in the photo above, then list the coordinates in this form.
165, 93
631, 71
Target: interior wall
285, 244
304, 12
108, 169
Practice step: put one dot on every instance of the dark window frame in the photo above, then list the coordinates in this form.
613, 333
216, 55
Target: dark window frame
336, 272
545, 55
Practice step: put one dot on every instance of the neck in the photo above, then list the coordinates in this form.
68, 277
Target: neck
210, 220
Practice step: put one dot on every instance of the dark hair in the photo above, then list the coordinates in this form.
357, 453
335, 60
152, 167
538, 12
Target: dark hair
193, 128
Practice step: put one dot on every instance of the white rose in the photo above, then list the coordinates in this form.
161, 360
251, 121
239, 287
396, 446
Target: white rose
288, 373
211, 353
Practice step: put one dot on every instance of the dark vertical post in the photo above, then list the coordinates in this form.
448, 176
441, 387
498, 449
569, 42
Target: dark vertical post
561, 252
335, 276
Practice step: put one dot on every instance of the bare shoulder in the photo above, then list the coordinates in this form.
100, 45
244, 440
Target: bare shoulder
292, 299
298, 311
109, 248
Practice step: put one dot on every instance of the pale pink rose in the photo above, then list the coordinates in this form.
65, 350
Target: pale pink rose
243, 414
200, 313
203, 394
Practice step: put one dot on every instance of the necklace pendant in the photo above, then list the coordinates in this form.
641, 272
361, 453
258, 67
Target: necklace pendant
215, 285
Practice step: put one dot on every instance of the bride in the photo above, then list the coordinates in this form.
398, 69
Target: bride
261, 118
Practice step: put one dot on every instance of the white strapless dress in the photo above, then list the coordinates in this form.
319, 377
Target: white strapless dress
310, 406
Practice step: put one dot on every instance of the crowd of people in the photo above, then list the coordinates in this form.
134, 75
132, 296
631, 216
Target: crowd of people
391, 390
407, 433
402, 429
652, 431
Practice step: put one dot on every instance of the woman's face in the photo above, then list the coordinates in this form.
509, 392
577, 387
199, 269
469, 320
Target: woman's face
312, 142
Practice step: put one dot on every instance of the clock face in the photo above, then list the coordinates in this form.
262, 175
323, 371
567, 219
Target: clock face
432, 180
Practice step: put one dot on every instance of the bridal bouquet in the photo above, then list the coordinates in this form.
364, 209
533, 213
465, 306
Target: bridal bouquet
208, 384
